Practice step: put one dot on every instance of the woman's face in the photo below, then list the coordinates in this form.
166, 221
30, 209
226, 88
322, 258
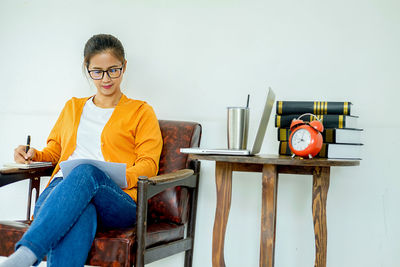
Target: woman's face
106, 61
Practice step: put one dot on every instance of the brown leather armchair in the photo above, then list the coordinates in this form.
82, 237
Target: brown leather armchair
166, 207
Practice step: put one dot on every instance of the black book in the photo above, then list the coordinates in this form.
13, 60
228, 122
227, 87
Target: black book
343, 136
314, 107
329, 121
338, 151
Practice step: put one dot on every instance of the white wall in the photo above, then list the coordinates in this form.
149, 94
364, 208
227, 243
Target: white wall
191, 59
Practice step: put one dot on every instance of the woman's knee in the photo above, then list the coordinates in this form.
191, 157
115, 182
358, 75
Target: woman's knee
87, 172
84, 169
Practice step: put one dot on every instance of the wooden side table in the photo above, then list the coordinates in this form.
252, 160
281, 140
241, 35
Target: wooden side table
15, 175
270, 166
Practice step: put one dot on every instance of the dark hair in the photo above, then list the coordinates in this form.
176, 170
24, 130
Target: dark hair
100, 43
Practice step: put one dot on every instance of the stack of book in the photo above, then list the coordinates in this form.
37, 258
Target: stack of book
341, 136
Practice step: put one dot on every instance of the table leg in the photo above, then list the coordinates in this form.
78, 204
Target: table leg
34, 183
223, 180
319, 196
268, 215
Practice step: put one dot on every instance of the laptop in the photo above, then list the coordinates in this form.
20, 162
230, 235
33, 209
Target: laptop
262, 127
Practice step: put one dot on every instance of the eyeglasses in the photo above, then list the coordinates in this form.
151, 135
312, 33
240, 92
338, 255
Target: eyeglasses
99, 74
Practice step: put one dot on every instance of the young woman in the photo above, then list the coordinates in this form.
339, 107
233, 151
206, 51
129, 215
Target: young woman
109, 127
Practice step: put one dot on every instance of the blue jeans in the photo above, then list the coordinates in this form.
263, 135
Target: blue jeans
69, 211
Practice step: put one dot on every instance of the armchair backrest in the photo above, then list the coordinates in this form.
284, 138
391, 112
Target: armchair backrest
177, 134
173, 204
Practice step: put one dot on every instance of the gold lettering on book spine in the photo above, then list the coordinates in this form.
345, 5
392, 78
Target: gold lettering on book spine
283, 135
278, 121
323, 151
315, 107
280, 107
341, 121
326, 108
345, 108
283, 148
328, 136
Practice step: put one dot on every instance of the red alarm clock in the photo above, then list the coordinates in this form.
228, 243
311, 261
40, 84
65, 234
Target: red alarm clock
306, 138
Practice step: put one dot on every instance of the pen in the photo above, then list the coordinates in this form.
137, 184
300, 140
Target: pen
28, 144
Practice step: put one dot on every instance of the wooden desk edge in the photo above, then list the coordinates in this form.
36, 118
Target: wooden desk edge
6, 171
278, 160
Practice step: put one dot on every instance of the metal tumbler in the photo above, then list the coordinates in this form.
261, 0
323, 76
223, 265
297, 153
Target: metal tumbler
238, 127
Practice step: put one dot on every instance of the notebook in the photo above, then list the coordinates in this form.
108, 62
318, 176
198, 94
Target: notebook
262, 127
32, 165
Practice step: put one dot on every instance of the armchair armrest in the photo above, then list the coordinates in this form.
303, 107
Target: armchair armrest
149, 187
171, 177
157, 184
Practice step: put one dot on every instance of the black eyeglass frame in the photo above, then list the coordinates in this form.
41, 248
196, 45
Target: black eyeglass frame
102, 75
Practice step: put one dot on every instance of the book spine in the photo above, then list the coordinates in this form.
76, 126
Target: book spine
314, 107
328, 135
284, 150
329, 121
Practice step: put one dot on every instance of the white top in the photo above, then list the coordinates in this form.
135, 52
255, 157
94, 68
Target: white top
88, 139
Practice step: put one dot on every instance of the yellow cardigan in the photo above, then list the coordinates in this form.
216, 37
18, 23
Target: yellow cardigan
132, 136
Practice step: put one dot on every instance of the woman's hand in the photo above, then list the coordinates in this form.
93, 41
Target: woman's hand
20, 156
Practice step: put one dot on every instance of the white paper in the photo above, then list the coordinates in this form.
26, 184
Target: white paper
116, 171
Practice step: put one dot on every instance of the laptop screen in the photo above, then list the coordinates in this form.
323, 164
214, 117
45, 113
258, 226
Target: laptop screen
264, 122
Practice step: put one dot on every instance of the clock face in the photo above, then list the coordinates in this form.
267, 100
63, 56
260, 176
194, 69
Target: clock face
301, 139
